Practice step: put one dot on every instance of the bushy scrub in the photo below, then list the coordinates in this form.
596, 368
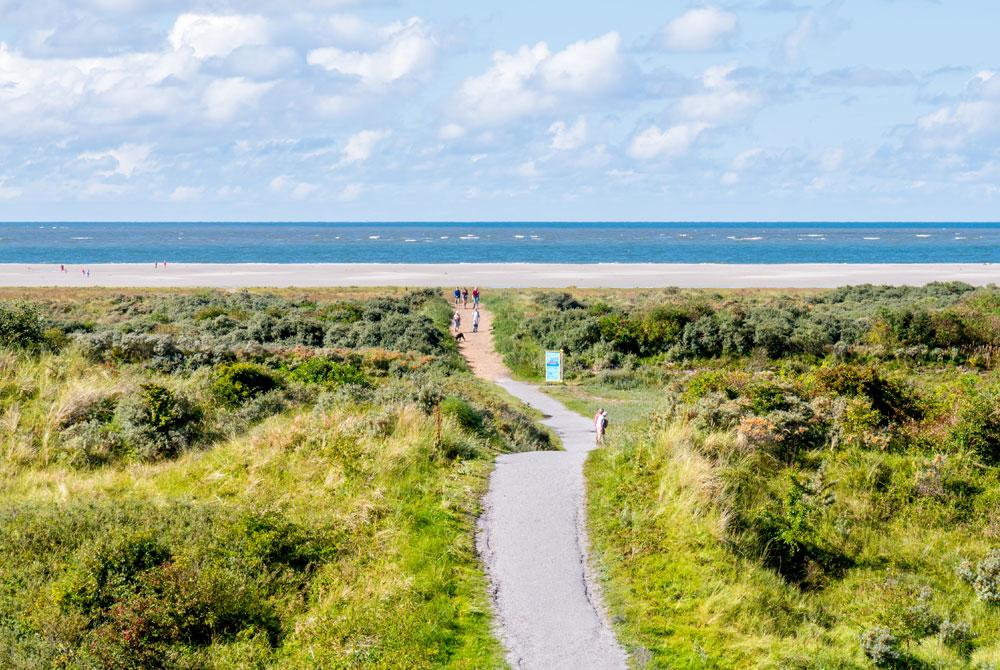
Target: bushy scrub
136, 586
880, 646
158, 423
984, 577
319, 370
235, 384
811, 468
21, 325
978, 426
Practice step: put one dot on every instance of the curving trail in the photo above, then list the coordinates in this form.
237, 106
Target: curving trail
532, 537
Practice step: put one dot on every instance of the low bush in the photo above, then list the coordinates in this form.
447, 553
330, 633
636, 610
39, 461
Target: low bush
21, 325
978, 426
958, 635
880, 646
984, 577
319, 370
236, 383
158, 423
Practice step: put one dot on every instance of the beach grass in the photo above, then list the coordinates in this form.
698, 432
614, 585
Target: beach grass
861, 537
328, 522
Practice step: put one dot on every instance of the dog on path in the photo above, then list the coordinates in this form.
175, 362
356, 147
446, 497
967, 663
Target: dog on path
460, 337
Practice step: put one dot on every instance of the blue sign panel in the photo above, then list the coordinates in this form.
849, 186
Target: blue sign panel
553, 366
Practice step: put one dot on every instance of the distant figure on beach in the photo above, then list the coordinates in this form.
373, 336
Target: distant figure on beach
62, 268
458, 295
88, 274
600, 425
475, 297
475, 319
156, 265
465, 298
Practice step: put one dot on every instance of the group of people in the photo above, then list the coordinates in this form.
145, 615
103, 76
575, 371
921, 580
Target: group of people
462, 300
83, 271
462, 297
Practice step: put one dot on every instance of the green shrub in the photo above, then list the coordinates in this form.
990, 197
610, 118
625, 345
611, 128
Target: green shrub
894, 400
236, 383
20, 325
107, 571
467, 416
978, 427
786, 532
158, 423
319, 370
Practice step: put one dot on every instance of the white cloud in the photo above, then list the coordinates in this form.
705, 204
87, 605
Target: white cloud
965, 124
214, 36
832, 159
409, 49
8, 192
351, 192
527, 169
583, 68
729, 178
721, 99
129, 159
533, 79
186, 193
794, 40
565, 138
451, 131
296, 189
361, 145
700, 29
746, 159
226, 98
654, 142
51, 95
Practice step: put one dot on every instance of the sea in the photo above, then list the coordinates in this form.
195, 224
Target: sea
499, 242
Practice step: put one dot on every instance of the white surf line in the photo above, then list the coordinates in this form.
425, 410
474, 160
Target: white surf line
533, 541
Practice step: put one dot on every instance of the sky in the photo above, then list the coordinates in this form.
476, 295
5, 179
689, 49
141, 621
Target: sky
339, 110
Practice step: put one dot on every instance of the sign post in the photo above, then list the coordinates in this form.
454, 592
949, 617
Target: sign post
553, 367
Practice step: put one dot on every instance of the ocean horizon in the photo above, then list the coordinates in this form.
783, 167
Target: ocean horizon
499, 242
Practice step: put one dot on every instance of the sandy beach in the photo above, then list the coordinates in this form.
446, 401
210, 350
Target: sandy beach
494, 275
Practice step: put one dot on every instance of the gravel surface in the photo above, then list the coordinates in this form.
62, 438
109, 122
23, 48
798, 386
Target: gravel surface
533, 541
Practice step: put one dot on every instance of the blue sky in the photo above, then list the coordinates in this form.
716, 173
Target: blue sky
340, 110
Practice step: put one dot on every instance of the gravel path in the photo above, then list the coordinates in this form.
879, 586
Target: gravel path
533, 541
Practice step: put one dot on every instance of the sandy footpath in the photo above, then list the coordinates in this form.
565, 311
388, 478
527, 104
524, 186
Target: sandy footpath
532, 537
495, 275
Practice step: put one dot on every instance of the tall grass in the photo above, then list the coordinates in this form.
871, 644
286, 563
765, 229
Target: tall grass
315, 521
659, 514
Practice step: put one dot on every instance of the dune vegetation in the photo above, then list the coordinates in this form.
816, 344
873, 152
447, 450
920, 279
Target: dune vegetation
243, 480
791, 480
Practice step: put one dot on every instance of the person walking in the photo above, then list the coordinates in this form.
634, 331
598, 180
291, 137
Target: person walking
456, 320
475, 297
458, 295
600, 425
465, 298
475, 319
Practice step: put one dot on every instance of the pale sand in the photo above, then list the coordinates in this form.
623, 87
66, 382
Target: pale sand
496, 275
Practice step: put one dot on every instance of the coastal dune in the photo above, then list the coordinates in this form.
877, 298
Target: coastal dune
495, 275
